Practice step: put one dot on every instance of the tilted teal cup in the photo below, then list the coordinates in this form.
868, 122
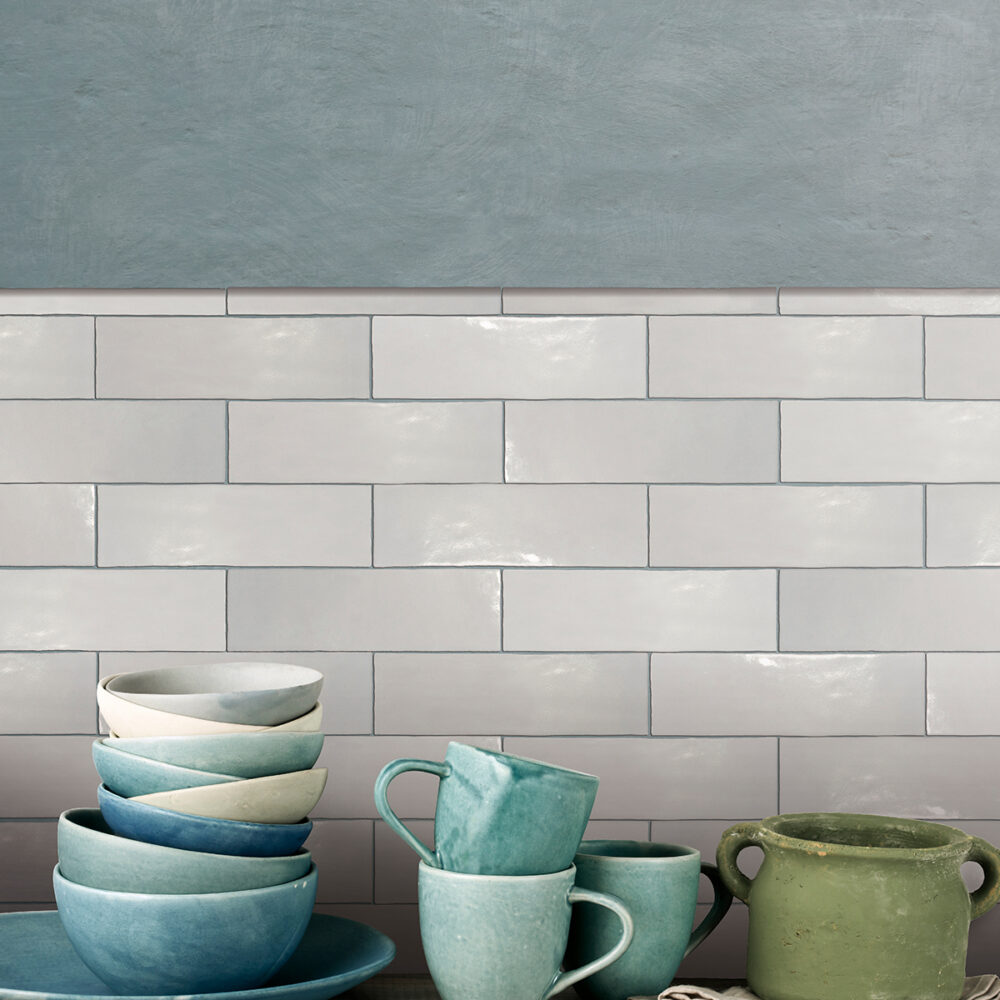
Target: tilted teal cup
497, 814
502, 937
659, 885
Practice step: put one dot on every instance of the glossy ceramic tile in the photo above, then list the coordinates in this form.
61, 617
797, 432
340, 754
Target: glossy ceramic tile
891, 609
511, 525
430, 609
365, 442
785, 356
513, 357
887, 301
962, 694
786, 525
947, 777
739, 694
47, 693
963, 358
512, 693
890, 441
667, 778
45, 775
704, 835
47, 525
110, 441
29, 878
347, 685
639, 609
399, 923
355, 761
112, 609
114, 301
628, 441
396, 863
567, 301
365, 301
233, 525
342, 851
963, 525
46, 356
192, 357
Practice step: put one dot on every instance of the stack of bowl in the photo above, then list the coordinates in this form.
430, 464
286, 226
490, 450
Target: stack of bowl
192, 876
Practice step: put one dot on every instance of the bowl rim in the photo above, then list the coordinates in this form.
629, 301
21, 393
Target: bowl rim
309, 676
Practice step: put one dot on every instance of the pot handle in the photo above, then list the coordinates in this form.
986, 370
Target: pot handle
720, 907
390, 771
733, 841
988, 894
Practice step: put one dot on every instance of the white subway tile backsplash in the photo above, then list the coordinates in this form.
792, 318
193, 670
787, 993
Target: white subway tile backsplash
786, 525
234, 525
665, 301
653, 441
112, 609
31, 852
47, 693
112, 441
785, 356
708, 694
45, 775
889, 609
890, 441
356, 609
364, 301
343, 855
50, 524
511, 525
512, 693
208, 357
51, 357
639, 609
333, 442
889, 301
511, 357
962, 694
963, 525
113, 301
963, 358
940, 777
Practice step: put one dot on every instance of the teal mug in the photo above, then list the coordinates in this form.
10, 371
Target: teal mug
659, 885
503, 937
497, 814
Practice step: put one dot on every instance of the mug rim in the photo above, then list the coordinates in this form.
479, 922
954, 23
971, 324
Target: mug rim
436, 872
679, 851
524, 760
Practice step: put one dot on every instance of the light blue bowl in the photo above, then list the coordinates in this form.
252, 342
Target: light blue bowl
91, 854
128, 775
154, 825
150, 943
246, 755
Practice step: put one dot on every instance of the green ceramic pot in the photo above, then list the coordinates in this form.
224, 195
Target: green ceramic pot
857, 907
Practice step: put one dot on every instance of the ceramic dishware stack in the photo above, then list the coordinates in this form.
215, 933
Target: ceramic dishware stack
497, 892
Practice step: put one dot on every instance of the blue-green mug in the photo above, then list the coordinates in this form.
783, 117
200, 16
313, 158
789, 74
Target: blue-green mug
502, 937
497, 814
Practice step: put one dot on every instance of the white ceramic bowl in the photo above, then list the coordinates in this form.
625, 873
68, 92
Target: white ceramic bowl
126, 718
250, 694
278, 798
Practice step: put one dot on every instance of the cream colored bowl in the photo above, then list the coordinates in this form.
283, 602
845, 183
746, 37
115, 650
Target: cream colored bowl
128, 719
278, 798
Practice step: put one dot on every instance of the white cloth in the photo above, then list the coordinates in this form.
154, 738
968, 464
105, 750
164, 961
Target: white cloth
976, 988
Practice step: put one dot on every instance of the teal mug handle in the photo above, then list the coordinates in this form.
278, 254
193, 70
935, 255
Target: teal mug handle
720, 907
617, 907
390, 771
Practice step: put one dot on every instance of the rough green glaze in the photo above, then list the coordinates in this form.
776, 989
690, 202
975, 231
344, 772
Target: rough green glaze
659, 885
857, 907
496, 813
503, 937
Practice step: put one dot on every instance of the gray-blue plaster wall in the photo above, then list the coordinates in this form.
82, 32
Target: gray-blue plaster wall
470, 142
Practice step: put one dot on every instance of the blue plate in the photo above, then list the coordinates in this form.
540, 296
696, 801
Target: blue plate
37, 962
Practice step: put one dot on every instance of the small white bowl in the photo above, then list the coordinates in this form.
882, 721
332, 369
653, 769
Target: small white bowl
126, 718
278, 798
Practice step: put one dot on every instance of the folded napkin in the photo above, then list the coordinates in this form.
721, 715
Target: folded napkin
976, 988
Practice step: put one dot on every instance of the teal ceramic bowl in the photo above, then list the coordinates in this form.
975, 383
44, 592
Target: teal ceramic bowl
128, 775
140, 821
159, 944
246, 755
90, 853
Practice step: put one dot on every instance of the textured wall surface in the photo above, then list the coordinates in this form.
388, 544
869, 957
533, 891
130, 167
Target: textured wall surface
193, 143
733, 561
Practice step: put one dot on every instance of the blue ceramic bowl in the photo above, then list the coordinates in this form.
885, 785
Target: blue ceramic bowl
140, 821
91, 854
246, 755
128, 775
159, 944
